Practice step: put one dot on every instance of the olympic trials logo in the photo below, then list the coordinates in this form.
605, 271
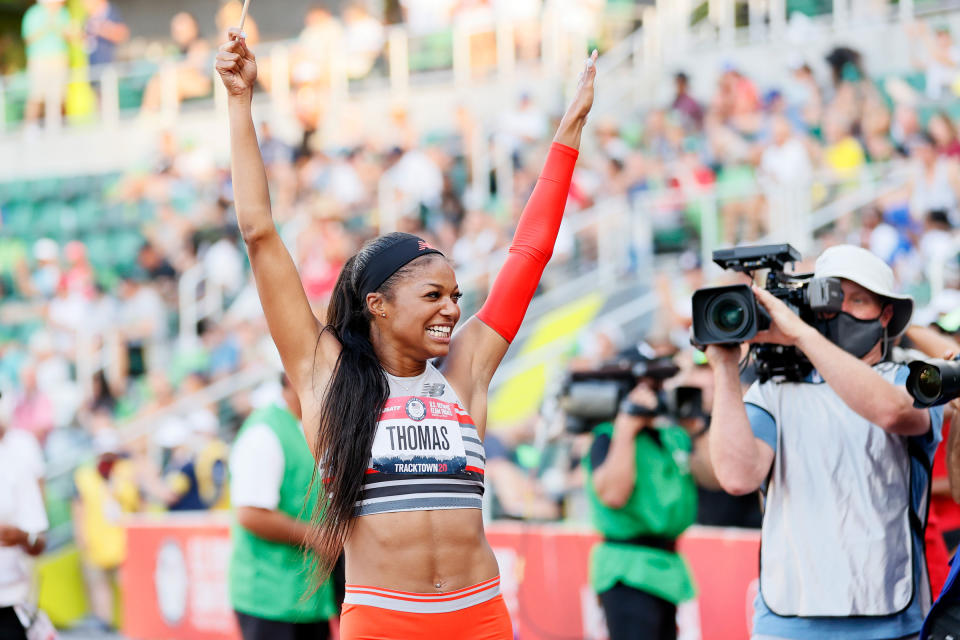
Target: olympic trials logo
416, 409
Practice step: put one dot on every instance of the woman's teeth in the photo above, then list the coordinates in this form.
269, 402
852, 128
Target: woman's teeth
439, 332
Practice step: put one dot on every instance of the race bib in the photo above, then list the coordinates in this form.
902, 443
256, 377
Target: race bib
418, 435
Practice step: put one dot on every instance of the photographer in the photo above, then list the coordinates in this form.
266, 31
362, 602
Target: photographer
642, 497
843, 459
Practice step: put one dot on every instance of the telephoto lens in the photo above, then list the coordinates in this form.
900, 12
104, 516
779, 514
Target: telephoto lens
727, 315
933, 383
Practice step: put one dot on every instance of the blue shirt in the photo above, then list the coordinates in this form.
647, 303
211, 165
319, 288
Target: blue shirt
99, 49
767, 623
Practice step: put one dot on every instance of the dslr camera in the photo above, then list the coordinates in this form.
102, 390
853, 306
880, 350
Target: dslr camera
731, 315
589, 398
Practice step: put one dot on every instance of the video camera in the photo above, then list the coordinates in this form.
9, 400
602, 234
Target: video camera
589, 398
933, 383
731, 315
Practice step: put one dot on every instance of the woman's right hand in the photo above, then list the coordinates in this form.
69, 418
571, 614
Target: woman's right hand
237, 65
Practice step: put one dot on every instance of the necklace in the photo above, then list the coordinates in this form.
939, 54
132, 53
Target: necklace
410, 387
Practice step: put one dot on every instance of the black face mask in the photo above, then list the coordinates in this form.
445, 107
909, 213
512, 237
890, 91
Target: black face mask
856, 337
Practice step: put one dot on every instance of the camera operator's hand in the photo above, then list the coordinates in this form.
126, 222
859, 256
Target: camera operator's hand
630, 425
786, 327
721, 356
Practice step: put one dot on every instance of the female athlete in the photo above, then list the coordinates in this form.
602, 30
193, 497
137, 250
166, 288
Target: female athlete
400, 441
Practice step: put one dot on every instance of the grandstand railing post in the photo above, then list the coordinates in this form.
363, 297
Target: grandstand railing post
840, 14
480, 165
169, 98
3, 105
550, 41
280, 80
461, 55
778, 17
110, 96
339, 80
709, 208
757, 11
399, 60
723, 14
503, 158
905, 10
506, 50
53, 105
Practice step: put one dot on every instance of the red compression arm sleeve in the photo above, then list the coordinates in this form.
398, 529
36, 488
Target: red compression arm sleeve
532, 245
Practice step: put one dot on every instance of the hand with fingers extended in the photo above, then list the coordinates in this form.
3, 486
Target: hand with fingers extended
576, 115
237, 65
583, 98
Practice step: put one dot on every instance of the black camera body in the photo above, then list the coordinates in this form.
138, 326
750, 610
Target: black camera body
731, 315
589, 398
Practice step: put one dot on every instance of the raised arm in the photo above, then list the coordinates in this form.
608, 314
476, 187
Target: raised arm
294, 328
478, 348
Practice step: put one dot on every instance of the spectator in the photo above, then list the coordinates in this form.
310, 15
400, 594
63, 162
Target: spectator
142, 323
191, 77
106, 489
683, 103
935, 183
33, 410
154, 264
273, 497
944, 135
23, 521
104, 29
363, 40
45, 277
46, 30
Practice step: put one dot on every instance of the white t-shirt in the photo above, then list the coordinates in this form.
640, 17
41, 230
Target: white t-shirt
256, 468
21, 506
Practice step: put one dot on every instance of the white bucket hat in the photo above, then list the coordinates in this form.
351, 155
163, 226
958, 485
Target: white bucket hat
870, 272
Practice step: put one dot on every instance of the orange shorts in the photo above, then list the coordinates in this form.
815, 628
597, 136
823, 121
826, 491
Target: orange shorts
474, 613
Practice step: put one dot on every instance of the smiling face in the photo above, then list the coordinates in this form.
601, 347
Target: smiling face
421, 309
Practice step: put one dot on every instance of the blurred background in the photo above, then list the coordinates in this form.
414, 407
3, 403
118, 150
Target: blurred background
132, 342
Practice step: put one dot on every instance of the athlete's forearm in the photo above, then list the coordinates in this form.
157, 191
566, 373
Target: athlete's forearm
532, 245
251, 195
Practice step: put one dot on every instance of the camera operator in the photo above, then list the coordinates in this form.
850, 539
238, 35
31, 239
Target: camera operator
843, 459
642, 496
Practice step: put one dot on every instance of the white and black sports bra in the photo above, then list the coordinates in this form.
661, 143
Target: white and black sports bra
426, 454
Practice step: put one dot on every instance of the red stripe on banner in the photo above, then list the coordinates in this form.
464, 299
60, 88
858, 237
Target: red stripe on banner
475, 469
369, 471
464, 418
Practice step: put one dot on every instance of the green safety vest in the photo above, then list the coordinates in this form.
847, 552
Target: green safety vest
663, 504
272, 580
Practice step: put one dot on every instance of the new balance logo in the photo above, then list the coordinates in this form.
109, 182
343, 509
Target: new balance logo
433, 389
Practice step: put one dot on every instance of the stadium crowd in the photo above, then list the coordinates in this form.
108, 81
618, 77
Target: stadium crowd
825, 126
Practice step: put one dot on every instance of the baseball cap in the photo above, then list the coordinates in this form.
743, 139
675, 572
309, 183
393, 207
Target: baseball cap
870, 272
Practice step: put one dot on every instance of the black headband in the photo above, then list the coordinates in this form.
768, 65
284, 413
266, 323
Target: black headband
389, 260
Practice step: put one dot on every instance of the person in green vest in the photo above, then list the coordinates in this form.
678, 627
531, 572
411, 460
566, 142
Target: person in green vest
642, 496
270, 578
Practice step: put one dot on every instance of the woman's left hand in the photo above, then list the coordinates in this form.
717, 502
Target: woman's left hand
576, 115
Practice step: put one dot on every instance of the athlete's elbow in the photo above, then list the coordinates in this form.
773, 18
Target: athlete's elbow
254, 233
